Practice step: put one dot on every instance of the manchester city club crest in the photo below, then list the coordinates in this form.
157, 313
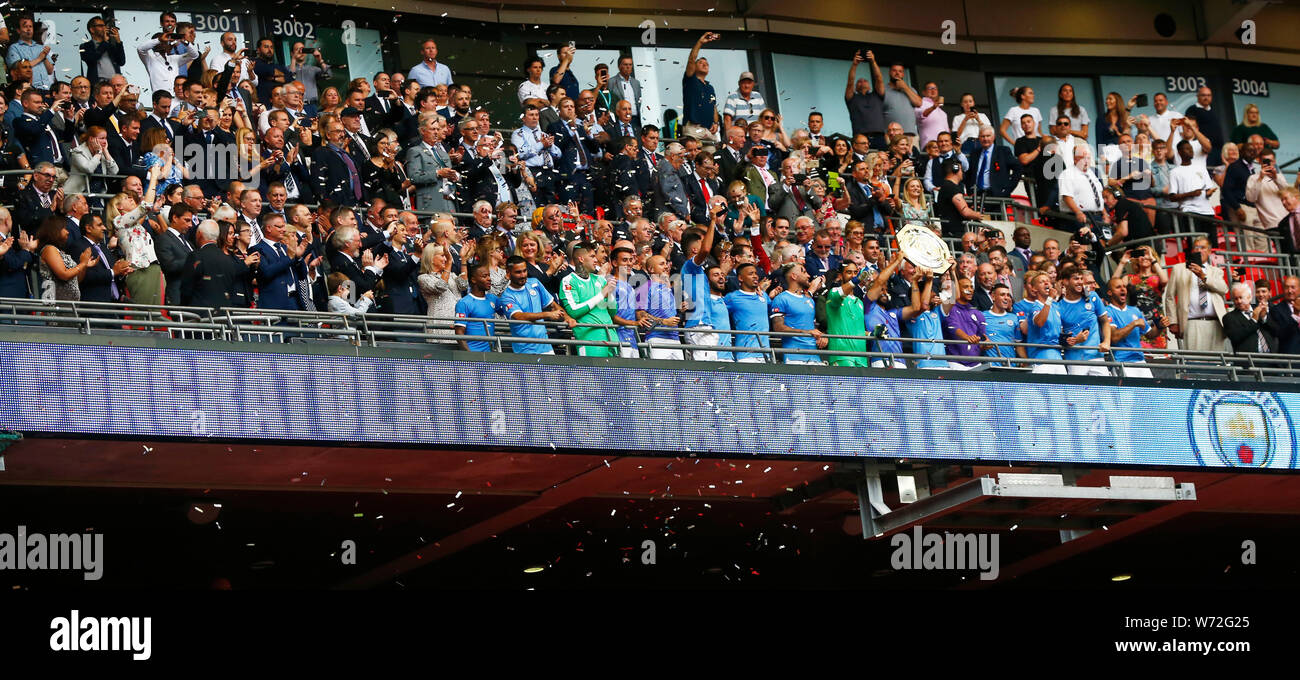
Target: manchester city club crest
1241, 429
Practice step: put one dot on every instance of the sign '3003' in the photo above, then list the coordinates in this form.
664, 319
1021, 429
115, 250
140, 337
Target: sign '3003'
292, 28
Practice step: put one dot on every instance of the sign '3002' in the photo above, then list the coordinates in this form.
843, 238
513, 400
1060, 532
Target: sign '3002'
292, 28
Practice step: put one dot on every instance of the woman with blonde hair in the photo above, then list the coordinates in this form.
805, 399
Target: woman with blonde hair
773, 130
492, 250
915, 209
330, 101
89, 157
249, 156
1252, 125
440, 288
543, 265
130, 221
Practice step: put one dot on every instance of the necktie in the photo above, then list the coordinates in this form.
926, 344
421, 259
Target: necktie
627, 130
582, 155
981, 173
353, 177
1202, 297
365, 153
704, 189
185, 244
112, 282
1096, 195
546, 156
798, 198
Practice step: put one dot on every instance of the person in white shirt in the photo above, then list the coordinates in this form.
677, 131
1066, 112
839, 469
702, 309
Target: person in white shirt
533, 87
1264, 189
1080, 190
1068, 106
966, 125
1011, 129
338, 300
1161, 124
1191, 134
1190, 185
162, 61
230, 50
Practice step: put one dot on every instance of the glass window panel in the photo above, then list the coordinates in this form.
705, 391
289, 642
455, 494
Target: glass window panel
660, 70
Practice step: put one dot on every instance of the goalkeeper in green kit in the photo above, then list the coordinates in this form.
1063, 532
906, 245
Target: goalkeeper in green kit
584, 295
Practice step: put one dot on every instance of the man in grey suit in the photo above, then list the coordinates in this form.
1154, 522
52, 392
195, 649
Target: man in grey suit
429, 166
625, 86
788, 198
672, 190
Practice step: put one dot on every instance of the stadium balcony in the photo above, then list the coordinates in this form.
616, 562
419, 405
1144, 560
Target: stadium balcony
193, 407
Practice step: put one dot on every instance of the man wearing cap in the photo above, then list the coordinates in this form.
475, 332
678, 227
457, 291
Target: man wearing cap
359, 142
744, 104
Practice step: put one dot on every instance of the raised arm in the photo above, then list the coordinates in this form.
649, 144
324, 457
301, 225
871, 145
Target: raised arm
853, 75
695, 52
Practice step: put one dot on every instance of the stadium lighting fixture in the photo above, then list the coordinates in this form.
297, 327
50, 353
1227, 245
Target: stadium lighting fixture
534, 570
1121, 577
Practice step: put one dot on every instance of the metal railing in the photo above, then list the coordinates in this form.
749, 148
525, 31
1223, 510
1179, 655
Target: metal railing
237, 325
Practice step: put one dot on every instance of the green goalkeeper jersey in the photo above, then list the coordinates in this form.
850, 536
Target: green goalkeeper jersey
582, 298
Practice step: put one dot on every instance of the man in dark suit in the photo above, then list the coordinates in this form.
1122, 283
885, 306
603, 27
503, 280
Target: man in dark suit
385, 102
335, 175
577, 150
174, 249
100, 282
210, 274
123, 148
1282, 318
212, 175
400, 294
346, 256
103, 48
34, 131
731, 156
647, 164
102, 107
621, 174
1246, 326
623, 124
19, 254
277, 283
858, 200
703, 180
994, 169
822, 258
39, 200
157, 118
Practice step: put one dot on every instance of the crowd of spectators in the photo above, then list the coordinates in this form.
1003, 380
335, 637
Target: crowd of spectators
241, 183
